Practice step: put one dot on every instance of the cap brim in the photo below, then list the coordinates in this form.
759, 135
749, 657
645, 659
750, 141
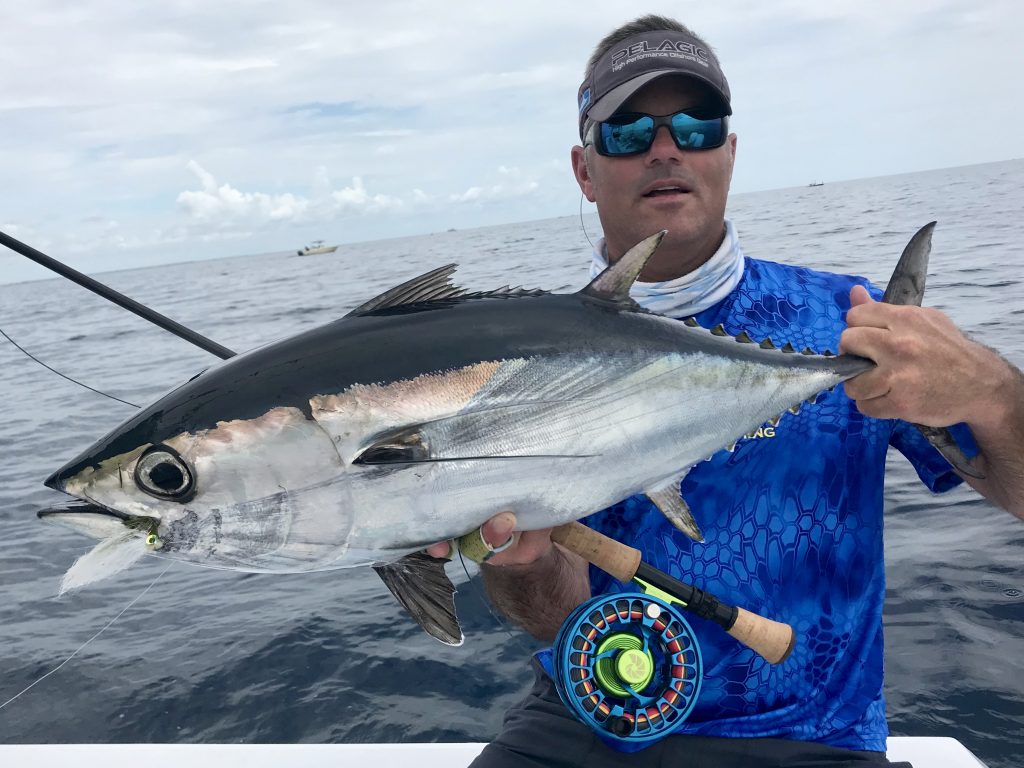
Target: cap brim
609, 104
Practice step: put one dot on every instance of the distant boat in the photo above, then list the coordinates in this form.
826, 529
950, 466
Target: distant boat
317, 246
816, 184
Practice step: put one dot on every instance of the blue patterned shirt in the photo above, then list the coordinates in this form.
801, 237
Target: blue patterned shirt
793, 526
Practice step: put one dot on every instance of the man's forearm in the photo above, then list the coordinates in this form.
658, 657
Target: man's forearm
539, 596
999, 432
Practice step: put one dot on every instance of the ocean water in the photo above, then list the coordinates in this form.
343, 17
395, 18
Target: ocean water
215, 656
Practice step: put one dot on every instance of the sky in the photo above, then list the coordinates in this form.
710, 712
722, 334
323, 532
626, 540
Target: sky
133, 134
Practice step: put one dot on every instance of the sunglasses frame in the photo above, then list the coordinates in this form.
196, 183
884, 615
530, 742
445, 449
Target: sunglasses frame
595, 137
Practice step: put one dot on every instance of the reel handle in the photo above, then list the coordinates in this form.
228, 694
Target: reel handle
772, 640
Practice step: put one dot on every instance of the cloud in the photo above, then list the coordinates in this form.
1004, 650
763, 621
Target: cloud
221, 206
356, 199
318, 109
435, 111
515, 185
225, 206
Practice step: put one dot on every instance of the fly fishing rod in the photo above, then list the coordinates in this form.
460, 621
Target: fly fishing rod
772, 640
120, 299
628, 664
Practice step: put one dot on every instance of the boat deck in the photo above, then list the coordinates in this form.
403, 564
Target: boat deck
923, 752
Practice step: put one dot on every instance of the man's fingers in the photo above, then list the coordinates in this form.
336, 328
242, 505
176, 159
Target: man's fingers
498, 530
440, 550
493, 536
867, 386
878, 407
529, 547
864, 311
497, 542
859, 295
863, 341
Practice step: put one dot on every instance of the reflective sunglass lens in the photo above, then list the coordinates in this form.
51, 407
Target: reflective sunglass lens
633, 134
691, 133
627, 138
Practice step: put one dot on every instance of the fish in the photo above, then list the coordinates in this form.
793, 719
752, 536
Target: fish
419, 415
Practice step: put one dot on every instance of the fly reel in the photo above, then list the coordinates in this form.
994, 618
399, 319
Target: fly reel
628, 666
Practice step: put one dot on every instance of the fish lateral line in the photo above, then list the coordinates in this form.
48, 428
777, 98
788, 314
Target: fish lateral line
446, 459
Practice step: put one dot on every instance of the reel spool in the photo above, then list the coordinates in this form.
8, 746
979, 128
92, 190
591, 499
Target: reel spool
628, 666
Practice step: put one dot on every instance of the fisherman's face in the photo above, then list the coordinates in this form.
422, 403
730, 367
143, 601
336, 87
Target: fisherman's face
624, 188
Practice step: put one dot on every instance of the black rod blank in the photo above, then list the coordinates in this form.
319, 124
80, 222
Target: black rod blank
121, 300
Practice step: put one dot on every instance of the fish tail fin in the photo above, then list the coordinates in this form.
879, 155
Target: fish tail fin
906, 286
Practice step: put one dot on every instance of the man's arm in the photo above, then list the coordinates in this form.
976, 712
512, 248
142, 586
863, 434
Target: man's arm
928, 372
535, 583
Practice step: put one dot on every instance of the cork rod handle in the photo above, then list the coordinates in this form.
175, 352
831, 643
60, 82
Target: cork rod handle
772, 640
611, 556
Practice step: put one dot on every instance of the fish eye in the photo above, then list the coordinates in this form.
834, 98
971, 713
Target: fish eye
161, 472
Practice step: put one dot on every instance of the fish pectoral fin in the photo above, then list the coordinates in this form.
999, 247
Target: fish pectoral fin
409, 445
425, 591
946, 444
674, 507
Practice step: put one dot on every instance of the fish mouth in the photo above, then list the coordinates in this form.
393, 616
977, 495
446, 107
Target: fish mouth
81, 507
95, 520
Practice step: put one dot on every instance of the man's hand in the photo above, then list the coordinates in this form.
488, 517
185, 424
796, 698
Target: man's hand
527, 546
927, 371
534, 582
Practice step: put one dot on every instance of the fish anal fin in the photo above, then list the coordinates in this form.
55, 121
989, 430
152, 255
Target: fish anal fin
672, 506
420, 584
613, 284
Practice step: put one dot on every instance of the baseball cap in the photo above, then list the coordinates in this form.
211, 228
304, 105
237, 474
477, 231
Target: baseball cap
637, 60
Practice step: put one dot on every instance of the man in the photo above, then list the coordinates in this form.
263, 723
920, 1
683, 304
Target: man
793, 522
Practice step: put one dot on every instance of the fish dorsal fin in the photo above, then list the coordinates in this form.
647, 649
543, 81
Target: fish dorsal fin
613, 284
672, 505
433, 287
425, 591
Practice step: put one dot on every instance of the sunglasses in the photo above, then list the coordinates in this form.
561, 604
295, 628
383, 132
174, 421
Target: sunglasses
632, 133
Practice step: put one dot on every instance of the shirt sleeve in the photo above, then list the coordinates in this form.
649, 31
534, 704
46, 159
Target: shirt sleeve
934, 471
